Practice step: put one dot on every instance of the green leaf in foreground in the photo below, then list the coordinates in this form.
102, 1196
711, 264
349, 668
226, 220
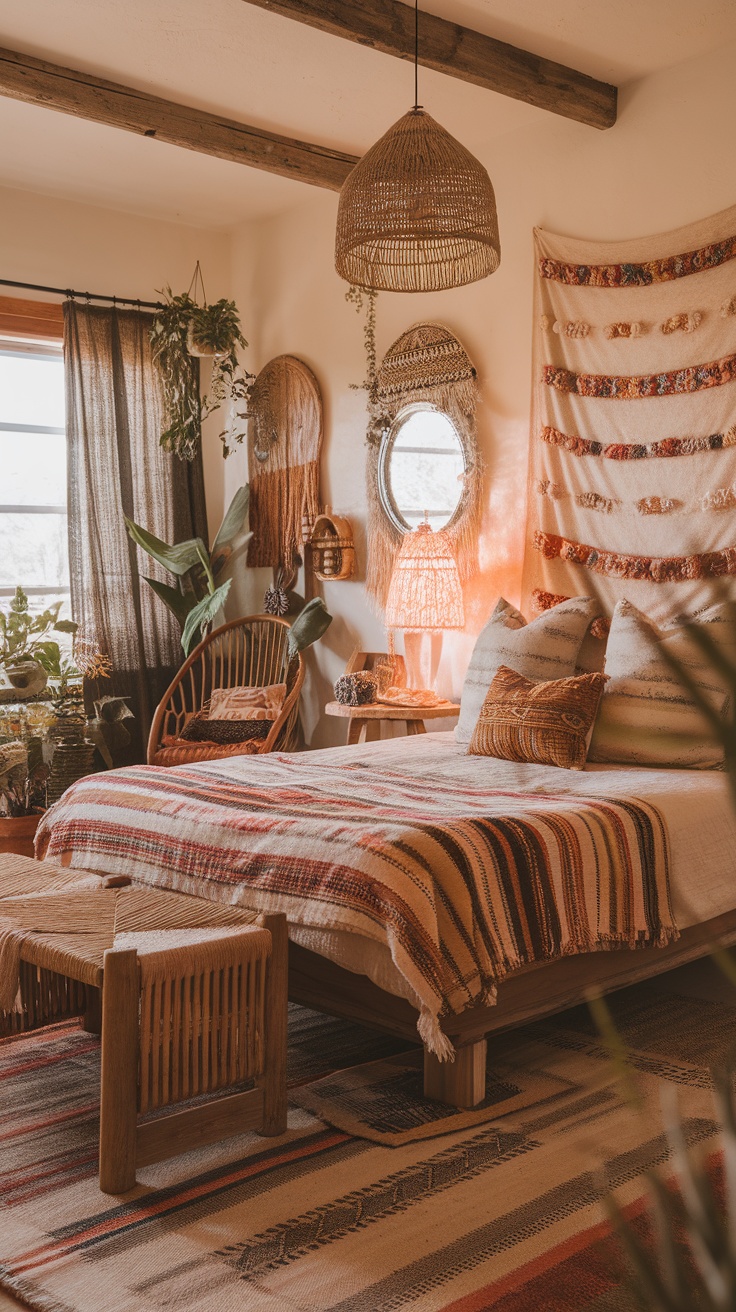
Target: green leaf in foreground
179, 603
309, 626
234, 522
48, 656
178, 559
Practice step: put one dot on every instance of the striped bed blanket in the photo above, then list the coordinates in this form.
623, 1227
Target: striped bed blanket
462, 882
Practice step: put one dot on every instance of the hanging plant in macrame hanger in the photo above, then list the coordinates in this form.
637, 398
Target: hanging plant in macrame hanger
185, 330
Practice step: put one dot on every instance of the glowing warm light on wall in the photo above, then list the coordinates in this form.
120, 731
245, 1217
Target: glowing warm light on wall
425, 592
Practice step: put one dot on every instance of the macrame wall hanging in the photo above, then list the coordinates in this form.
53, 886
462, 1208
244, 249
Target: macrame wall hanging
633, 441
284, 443
427, 364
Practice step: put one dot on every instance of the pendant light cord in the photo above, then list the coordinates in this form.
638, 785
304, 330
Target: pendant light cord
416, 55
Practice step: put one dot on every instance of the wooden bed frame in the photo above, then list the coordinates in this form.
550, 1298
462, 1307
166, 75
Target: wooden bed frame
541, 989
538, 990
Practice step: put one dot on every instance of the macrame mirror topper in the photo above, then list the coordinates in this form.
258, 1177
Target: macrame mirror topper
284, 444
427, 364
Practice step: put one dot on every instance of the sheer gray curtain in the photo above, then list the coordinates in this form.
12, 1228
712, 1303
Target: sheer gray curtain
116, 467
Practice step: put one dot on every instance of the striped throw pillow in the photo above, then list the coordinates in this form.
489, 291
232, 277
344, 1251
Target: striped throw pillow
545, 649
540, 723
647, 716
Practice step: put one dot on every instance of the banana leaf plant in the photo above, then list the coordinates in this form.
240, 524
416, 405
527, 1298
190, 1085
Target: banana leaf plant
197, 597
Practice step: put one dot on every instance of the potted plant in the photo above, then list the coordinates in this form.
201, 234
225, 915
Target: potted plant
23, 776
183, 329
28, 655
214, 330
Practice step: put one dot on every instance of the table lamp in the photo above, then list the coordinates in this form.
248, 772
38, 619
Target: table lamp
424, 598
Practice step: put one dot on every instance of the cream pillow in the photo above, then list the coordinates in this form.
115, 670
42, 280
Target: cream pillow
547, 648
247, 703
647, 717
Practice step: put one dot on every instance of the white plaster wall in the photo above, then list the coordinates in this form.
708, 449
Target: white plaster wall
62, 243
666, 162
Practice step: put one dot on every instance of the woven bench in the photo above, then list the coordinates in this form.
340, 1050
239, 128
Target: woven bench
190, 999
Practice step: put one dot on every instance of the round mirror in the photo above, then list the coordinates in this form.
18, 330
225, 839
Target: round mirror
421, 468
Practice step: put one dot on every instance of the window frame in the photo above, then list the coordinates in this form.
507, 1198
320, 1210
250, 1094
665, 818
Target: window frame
33, 329
388, 440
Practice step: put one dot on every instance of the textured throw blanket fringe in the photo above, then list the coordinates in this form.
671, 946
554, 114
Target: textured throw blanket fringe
461, 884
433, 1037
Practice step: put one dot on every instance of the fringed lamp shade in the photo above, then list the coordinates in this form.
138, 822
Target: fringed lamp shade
425, 590
417, 213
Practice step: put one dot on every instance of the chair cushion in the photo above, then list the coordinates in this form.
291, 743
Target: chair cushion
547, 648
175, 751
247, 703
540, 723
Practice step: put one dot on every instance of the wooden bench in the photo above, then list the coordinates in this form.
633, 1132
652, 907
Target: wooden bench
193, 1006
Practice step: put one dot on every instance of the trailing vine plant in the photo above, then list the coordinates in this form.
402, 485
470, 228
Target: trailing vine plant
182, 330
364, 300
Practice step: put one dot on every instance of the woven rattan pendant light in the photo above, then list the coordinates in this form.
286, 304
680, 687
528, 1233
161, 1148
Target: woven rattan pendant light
417, 213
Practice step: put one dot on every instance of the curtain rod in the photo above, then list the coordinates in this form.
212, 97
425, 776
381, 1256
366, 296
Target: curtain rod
82, 296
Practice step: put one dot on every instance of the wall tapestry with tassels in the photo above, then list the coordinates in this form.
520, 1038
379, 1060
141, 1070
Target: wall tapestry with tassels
426, 363
633, 440
284, 443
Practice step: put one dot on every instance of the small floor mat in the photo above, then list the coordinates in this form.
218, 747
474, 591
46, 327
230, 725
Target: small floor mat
384, 1100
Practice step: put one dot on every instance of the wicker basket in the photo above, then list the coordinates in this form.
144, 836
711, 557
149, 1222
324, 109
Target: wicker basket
71, 761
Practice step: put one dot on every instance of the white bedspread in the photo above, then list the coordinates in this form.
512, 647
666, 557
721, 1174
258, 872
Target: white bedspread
696, 806
128, 822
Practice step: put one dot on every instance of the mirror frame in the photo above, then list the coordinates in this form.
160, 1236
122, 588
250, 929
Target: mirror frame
384, 458
426, 364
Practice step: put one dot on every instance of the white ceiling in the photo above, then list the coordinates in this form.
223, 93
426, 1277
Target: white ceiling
228, 56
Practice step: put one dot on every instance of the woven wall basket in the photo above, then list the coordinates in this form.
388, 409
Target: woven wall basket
417, 213
333, 549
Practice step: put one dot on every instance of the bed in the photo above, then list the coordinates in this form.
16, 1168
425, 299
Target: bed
357, 843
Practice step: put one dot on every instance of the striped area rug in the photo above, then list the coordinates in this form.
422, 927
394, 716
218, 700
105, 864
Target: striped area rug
504, 1215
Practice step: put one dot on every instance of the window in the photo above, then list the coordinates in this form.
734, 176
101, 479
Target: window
33, 509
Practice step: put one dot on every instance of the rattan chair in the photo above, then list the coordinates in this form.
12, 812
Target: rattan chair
251, 652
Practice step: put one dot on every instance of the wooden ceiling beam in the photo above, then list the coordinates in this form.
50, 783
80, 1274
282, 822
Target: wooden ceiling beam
37, 82
388, 26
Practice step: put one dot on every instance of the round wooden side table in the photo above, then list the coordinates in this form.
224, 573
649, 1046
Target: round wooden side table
364, 722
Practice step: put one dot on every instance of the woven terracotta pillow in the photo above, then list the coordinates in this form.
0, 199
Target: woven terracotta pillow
539, 723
